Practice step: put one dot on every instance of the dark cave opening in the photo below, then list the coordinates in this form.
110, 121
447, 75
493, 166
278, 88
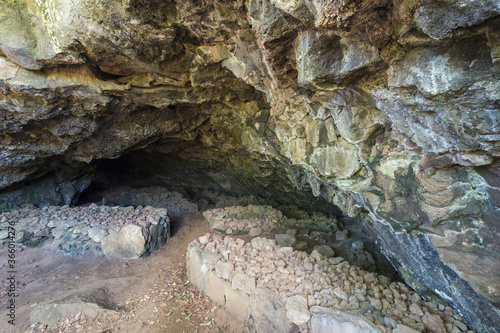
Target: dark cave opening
205, 176
201, 171
199, 175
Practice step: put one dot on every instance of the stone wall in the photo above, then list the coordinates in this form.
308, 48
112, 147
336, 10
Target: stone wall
114, 232
307, 233
384, 109
280, 288
244, 220
155, 196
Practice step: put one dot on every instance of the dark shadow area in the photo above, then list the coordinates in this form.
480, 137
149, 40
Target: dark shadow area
196, 172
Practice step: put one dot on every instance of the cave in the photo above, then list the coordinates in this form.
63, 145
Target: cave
372, 121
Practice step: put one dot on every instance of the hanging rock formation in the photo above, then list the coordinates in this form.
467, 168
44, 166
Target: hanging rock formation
388, 110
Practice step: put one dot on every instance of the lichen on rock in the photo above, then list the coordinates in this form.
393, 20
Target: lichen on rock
384, 110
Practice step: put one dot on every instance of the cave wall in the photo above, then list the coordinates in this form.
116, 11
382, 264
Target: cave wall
388, 110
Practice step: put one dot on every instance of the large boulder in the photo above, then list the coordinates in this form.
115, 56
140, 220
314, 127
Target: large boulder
128, 243
325, 320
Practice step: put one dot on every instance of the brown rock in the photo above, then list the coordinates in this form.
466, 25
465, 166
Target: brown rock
434, 323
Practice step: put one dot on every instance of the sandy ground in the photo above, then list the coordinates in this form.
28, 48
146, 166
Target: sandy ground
151, 294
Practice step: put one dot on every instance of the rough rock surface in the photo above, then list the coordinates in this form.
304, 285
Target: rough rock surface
384, 109
115, 232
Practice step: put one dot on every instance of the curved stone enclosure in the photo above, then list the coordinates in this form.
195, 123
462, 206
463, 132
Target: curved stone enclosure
113, 232
280, 289
385, 110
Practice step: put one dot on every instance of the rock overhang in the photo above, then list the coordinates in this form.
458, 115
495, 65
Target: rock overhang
406, 134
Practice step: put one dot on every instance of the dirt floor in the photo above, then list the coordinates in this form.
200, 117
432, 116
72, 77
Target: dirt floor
151, 294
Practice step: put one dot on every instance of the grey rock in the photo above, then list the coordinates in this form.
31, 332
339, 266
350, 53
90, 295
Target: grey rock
416, 310
403, 329
285, 239
324, 250
215, 288
244, 283
237, 303
286, 99
58, 233
335, 261
493, 35
357, 245
376, 303
340, 160
436, 71
298, 9
210, 259
370, 277
269, 312
461, 326
96, 234
270, 22
128, 243
316, 255
409, 247
388, 321
439, 20
300, 245
224, 269
286, 249
196, 268
260, 242
204, 239
341, 235
355, 113
297, 310
22, 236
4, 234
157, 234
254, 231
433, 323
325, 320
384, 280
325, 60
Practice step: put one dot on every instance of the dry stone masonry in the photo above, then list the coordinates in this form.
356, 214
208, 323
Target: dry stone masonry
280, 287
317, 221
150, 196
114, 232
221, 200
262, 218
239, 220
318, 231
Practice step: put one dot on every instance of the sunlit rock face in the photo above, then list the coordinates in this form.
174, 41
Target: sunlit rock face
388, 110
